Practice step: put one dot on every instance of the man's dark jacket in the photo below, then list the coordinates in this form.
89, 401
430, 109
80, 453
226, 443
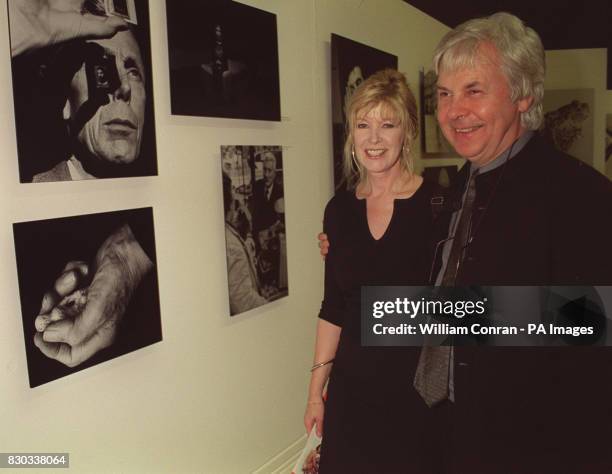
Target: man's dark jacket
543, 218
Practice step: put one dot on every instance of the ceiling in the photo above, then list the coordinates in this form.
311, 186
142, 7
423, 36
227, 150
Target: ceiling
561, 24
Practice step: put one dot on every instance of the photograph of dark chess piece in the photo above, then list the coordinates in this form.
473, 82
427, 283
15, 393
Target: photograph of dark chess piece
88, 290
255, 235
82, 89
223, 60
352, 63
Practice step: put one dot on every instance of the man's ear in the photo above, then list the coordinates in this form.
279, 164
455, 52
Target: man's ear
524, 104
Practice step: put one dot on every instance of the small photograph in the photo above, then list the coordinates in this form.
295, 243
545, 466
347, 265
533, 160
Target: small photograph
88, 290
568, 121
223, 60
352, 62
433, 141
255, 237
441, 177
83, 104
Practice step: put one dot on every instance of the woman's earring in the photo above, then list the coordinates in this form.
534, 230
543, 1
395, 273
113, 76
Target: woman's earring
354, 157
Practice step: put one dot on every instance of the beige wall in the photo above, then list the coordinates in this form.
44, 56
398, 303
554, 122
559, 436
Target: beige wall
217, 395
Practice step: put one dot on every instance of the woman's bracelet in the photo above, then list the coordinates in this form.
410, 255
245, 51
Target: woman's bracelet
320, 364
315, 402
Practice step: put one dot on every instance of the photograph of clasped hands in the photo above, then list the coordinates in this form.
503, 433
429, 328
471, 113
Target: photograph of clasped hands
88, 288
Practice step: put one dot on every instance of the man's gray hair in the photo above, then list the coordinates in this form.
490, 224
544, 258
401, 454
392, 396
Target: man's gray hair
520, 51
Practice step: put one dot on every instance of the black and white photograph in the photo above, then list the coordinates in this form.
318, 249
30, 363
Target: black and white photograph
88, 289
255, 236
352, 62
82, 89
223, 60
568, 121
433, 142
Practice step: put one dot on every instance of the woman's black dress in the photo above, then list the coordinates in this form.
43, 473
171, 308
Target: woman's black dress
375, 421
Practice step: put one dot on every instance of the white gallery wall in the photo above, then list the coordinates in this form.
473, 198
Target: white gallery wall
217, 395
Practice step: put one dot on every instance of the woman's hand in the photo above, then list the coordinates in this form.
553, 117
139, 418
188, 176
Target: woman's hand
323, 244
315, 410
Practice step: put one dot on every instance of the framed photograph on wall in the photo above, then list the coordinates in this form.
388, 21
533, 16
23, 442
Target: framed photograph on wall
83, 108
223, 60
568, 121
433, 141
352, 62
255, 235
88, 289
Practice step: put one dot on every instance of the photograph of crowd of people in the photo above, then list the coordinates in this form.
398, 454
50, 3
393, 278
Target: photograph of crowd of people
255, 237
352, 63
88, 289
223, 60
82, 88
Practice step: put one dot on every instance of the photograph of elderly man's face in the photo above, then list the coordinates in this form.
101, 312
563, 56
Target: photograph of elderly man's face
87, 102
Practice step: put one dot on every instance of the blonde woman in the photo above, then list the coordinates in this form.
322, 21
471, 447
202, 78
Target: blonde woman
380, 228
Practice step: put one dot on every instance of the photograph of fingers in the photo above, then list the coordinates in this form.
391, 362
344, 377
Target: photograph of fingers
88, 289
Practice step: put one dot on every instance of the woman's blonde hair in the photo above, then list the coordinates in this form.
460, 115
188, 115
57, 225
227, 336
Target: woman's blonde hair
389, 89
520, 51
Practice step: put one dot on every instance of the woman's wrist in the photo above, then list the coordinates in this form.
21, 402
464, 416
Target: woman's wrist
315, 400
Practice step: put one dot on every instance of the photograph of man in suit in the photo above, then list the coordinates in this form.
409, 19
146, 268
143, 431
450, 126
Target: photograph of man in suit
267, 190
267, 196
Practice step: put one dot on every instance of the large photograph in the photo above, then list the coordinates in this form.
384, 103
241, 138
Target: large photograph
88, 289
352, 62
223, 60
82, 88
255, 237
